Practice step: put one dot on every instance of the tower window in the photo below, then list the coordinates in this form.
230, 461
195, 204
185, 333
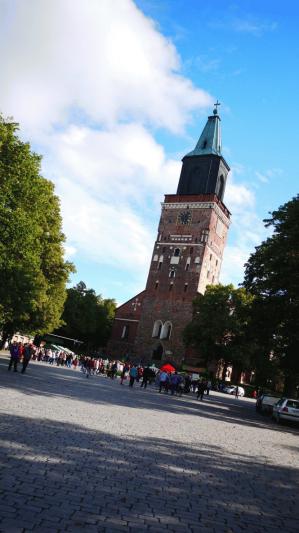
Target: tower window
187, 266
166, 331
125, 332
211, 257
160, 265
177, 252
157, 329
185, 287
221, 187
204, 145
216, 262
163, 250
171, 286
156, 285
172, 274
191, 250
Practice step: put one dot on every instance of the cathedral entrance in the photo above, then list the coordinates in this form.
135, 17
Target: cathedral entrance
158, 353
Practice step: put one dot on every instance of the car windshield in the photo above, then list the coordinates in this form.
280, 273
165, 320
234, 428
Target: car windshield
293, 404
280, 402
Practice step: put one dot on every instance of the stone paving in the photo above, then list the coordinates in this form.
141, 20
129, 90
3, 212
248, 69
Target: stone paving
83, 454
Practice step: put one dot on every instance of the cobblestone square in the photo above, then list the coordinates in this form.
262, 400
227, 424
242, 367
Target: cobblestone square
83, 454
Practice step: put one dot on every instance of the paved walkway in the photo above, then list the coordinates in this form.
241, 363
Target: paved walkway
83, 454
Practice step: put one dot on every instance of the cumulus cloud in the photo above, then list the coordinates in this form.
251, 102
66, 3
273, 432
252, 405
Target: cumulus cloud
110, 184
103, 61
246, 231
90, 82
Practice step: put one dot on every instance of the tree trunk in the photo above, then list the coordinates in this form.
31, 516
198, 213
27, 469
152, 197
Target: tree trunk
224, 371
290, 385
3, 341
7, 333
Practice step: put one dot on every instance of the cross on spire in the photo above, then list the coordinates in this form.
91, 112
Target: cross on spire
216, 107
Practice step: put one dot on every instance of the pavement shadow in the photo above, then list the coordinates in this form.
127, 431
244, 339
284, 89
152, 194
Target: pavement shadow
42, 379
63, 476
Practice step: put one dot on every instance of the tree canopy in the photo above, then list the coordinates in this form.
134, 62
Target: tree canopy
33, 271
272, 275
220, 325
87, 317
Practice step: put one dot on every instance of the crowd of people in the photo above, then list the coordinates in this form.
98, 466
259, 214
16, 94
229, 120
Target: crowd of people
165, 381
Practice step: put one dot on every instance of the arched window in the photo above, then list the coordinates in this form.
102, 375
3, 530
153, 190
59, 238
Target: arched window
166, 330
125, 332
157, 329
172, 274
177, 252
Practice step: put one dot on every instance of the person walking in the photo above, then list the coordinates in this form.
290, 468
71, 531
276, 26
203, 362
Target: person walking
201, 389
174, 382
14, 356
164, 380
209, 386
237, 392
133, 375
26, 357
124, 373
145, 377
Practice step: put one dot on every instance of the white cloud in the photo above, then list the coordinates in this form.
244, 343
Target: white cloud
261, 177
110, 184
246, 231
244, 24
89, 82
104, 59
107, 233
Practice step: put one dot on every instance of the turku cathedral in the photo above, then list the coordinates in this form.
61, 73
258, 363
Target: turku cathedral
187, 256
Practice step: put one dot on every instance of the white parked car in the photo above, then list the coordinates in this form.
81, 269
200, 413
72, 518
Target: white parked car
231, 389
286, 409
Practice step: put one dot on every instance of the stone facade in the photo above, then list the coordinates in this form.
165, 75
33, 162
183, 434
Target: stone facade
187, 257
124, 329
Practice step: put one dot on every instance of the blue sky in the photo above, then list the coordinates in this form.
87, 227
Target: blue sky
114, 93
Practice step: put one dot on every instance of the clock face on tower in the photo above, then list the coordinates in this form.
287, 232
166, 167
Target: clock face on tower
184, 217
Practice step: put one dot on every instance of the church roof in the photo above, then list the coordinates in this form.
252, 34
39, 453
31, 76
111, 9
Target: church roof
209, 142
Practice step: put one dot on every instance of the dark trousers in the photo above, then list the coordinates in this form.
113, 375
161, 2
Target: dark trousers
173, 388
13, 361
131, 381
163, 385
25, 364
200, 394
144, 382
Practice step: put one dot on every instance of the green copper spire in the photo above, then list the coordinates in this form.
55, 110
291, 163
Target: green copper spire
210, 139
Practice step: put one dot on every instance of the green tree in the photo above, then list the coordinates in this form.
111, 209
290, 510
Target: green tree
87, 317
220, 326
33, 271
272, 275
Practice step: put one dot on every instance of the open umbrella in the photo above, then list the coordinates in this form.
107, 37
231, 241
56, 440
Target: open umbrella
167, 368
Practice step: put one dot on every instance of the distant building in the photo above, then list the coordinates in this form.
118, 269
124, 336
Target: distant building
187, 257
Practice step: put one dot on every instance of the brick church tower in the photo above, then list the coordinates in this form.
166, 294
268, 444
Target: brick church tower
187, 257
